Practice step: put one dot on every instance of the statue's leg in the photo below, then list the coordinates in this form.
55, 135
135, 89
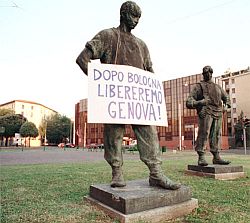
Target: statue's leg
214, 141
148, 146
201, 141
113, 136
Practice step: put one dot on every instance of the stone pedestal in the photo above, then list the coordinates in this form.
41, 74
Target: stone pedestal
139, 201
220, 172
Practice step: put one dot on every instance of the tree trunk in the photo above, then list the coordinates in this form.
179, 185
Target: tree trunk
6, 142
1, 141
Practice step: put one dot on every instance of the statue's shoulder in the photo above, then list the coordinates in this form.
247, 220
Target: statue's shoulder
198, 86
140, 41
108, 32
201, 83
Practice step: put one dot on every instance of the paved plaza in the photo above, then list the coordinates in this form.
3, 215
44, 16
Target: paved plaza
41, 155
12, 156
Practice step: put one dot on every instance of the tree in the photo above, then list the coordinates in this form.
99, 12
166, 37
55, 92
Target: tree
28, 129
247, 127
42, 129
11, 123
58, 129
242, 123
6, 111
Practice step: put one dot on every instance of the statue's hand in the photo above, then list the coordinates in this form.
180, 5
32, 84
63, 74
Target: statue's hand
203, 102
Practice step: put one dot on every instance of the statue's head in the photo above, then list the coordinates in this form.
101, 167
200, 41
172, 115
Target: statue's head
207, 73
130, 14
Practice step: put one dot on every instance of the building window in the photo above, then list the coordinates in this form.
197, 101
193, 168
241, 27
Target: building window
234, 100
167, 91
22, 106
233, 81
186, 88
32, 107
233, 90
234, 110
168, 106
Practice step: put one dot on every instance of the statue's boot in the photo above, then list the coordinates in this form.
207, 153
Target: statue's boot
217, 159
201, 160
157, 178
117, 177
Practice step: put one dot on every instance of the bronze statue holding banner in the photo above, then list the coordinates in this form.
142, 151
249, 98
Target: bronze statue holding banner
207, 97
120, 46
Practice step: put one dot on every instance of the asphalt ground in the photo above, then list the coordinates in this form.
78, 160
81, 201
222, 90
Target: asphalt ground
41, 155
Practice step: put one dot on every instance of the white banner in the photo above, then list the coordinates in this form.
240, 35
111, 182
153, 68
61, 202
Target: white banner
126, 95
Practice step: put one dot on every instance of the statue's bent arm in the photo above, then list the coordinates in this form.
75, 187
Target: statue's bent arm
83, 59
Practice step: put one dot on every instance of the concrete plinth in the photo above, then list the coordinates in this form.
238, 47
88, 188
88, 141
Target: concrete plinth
219, 172
153, 215
138, 201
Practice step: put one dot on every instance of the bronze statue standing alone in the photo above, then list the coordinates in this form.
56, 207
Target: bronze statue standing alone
207, 97
120, 46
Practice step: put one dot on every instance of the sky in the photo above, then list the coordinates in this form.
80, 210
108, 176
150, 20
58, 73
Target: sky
40, 41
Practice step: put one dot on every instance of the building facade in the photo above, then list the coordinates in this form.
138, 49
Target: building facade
182, 122
34, 112
236, 85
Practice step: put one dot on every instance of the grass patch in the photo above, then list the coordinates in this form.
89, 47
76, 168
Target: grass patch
54, 192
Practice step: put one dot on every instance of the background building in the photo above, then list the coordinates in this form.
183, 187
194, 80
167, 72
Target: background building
182, 122
34, 112
237, 86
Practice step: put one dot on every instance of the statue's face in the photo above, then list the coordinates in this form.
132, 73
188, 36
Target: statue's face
132, 19
207, 75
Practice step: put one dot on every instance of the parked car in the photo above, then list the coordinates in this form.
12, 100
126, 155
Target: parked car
70, 145
100, 146
91, 146
61, 145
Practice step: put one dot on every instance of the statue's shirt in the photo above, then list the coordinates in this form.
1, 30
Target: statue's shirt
212, 91
113, 46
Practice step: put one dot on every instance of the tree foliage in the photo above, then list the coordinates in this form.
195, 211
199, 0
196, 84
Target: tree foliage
6, 111
58, 129
29, 129
242, 123
12, 124
42, 129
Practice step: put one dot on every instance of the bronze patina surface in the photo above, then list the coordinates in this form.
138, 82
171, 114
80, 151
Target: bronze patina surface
210, 101
120, 46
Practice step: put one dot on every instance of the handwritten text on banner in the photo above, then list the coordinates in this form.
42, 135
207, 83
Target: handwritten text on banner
125, 94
